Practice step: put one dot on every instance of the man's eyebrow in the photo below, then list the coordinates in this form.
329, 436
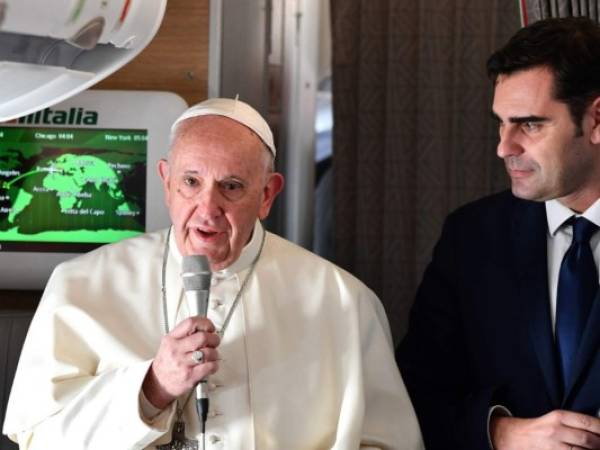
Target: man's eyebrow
524, 119
528, 119
226, 177
233, 177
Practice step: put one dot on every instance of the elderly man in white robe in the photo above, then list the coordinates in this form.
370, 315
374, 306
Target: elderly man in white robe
296, 352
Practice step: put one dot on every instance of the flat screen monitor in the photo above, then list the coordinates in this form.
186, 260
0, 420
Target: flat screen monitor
80, 175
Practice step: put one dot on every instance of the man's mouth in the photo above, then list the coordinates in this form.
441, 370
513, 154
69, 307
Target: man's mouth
515, 173
515, 165
519, 169
206, 233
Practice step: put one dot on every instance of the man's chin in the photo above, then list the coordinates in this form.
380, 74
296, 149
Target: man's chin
192, 247
527, 194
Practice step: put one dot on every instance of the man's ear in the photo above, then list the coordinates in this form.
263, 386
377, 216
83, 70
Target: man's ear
163, 172
595, 113
273, 186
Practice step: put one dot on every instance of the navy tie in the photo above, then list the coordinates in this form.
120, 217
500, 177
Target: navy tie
577, 287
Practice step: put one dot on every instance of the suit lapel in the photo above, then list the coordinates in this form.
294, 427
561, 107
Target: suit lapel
530, 257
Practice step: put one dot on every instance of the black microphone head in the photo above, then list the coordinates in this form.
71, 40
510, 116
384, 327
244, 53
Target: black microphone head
195, 273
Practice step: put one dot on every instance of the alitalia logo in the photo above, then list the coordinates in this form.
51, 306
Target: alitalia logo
72, 116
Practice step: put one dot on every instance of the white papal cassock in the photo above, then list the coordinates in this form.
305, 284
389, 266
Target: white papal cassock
307, 358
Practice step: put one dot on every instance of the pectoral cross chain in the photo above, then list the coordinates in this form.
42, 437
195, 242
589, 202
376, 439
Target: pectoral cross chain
178, 439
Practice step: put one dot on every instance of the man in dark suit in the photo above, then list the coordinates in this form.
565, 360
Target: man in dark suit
503, 347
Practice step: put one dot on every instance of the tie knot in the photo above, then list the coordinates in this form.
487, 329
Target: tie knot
583, 230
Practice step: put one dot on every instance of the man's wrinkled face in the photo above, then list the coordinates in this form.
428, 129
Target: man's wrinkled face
544, 154
217, 182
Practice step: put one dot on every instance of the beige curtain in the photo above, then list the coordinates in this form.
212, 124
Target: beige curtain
413, 137
533, 10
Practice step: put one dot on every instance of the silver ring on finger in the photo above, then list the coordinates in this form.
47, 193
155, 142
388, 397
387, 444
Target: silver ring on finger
197, 356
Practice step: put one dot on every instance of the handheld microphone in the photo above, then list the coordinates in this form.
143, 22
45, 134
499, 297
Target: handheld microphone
196, 277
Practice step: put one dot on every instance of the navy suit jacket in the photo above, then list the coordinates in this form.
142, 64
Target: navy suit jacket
480, 331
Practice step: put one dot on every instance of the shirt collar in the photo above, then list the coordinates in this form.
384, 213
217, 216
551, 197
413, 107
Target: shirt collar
557, 214
247, 255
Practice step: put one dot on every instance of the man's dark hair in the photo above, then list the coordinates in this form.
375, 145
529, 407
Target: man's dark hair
569, 47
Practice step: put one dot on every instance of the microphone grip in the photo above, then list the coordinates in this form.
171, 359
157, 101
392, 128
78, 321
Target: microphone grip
201, 390
198, 306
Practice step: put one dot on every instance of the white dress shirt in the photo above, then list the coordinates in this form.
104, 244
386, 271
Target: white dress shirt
559, 239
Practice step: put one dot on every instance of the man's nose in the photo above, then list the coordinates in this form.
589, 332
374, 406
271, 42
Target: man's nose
209, 202
509, 144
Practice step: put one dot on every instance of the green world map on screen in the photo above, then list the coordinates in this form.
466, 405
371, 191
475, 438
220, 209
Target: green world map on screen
71, 185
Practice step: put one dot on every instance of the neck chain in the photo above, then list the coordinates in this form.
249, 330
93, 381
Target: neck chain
236, 300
